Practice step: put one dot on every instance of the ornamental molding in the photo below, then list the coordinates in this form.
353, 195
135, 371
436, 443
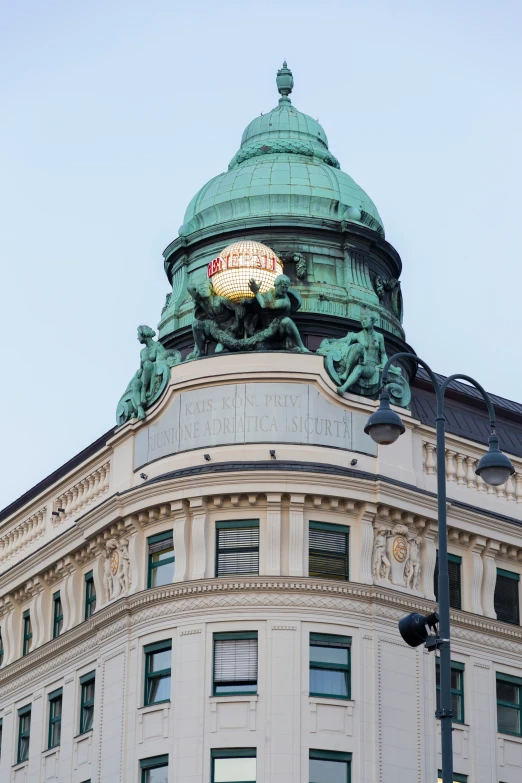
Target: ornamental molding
348, 601
145, 505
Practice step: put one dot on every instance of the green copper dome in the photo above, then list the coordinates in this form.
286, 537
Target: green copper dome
283, 167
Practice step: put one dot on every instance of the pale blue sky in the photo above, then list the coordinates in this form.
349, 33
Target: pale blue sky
115, 113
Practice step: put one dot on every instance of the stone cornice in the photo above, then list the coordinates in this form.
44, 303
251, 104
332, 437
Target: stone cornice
232, 478
279, 594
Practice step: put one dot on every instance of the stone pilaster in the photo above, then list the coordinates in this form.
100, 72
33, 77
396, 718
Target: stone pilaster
296, 553
489, 578
273, 535
199, 534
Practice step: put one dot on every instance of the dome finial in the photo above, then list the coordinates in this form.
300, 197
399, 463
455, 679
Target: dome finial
285, 83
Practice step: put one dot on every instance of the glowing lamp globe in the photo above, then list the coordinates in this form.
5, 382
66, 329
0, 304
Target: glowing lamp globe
238, 263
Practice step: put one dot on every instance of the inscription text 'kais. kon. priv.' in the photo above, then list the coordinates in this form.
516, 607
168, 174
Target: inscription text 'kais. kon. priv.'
251, 413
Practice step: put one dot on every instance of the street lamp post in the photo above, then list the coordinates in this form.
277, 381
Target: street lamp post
385, 426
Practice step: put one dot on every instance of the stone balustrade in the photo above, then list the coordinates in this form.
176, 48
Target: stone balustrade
460, 468
81, 494
22, 534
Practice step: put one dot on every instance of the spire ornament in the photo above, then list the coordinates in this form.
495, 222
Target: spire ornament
285, 83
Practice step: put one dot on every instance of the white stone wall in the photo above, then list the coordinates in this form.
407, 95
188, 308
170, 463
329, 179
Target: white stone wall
388, 725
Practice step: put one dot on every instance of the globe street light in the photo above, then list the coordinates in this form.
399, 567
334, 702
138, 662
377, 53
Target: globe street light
385, 427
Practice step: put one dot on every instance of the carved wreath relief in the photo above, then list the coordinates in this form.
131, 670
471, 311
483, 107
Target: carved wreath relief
396, 556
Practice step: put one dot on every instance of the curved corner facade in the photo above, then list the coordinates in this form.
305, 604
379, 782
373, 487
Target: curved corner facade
232, 543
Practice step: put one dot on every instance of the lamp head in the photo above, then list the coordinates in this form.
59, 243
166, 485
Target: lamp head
384, 426
415, 628
494, 467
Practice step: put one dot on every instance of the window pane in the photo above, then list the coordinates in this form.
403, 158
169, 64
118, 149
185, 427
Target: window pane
165, 554
235, 688
156, 775
233, 770
162, 575
508, 691
456, 679
329, 654
508, 719
456, 706
56, 731
159, 660
328, 771
88, 717
159, 689
88, 691
24, 749
327, 681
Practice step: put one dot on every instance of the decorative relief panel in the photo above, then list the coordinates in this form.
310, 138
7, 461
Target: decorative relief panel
396, 555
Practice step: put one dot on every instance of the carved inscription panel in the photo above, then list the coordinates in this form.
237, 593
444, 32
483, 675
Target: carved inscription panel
251, 413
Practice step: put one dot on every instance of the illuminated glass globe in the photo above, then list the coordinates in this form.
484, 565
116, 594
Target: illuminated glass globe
232, 270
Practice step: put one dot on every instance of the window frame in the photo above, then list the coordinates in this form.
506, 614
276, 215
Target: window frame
235, 524
345, 642
23, 712
330, 528
457, 666
166, 535
86, 680
513, 681
331, 755
27, 637
231, 753
149, 650
230, 636
153, 762
90, 595
57, 616
516, 578
457, 777
54, 697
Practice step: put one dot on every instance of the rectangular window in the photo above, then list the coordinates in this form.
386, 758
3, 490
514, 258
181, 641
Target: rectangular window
457, 689
87, 685
329, 767
237, 548
507, 600
24, 733
235, 663
57, 615
330, 666
1, 733
456, 777
1, 649
90, 595
161, 559
328, 551
455, 588
55, 718
509, 691
157, 672
28, 632
234, 765
155, 769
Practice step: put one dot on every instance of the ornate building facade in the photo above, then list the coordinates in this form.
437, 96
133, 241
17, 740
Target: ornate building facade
210, 591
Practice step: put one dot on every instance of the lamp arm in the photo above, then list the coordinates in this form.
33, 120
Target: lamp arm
476, 384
